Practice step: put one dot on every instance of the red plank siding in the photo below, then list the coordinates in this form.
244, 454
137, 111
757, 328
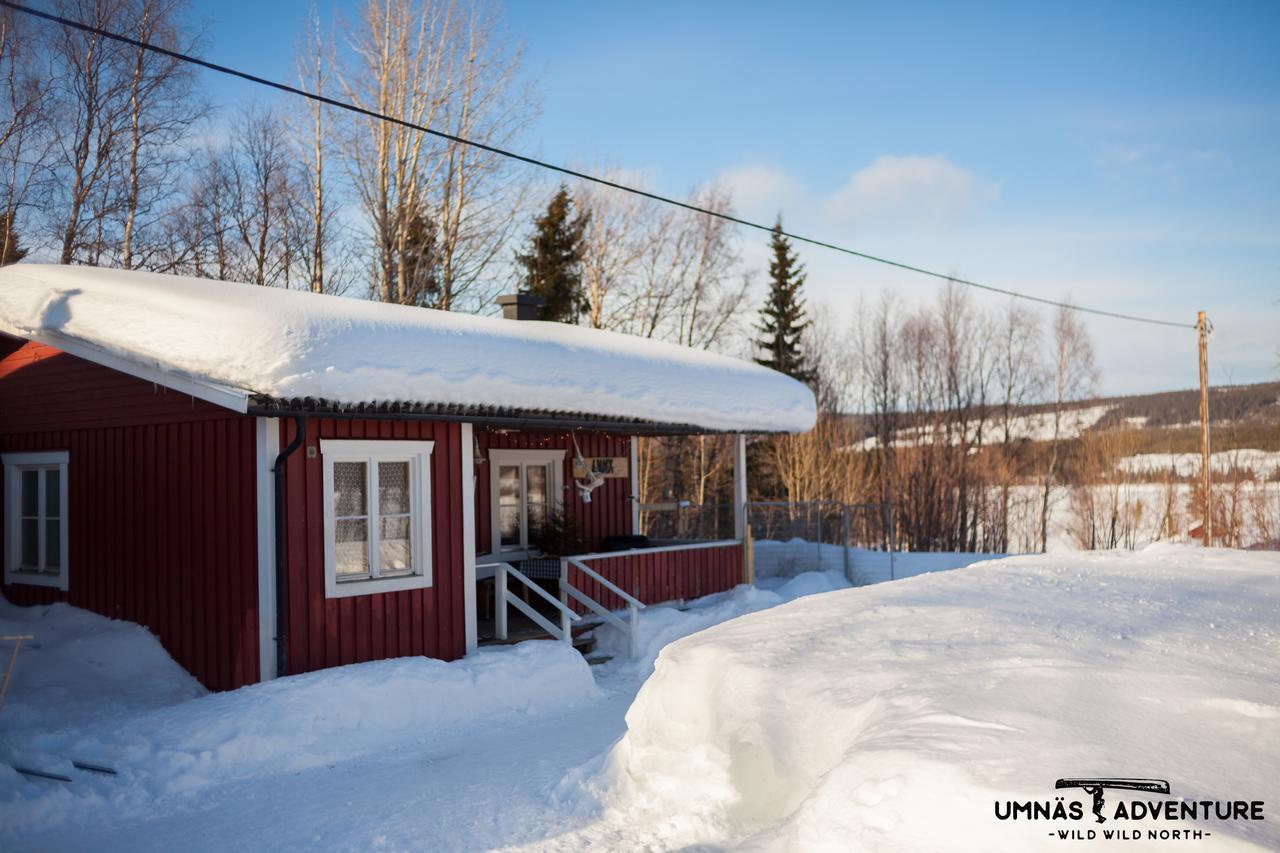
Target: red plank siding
657, 576
609, 512
42, 389
325, 632
161, 503
139, 536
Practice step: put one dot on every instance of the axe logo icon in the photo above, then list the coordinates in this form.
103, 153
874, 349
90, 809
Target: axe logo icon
1095, 787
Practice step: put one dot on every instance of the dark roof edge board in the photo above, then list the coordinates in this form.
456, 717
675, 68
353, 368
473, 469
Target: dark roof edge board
261, 406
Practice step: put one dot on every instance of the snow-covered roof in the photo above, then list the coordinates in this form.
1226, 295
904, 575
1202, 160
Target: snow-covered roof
250, 348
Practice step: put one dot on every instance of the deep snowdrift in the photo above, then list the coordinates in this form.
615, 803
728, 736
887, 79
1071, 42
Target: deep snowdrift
895, 716
288, 343
280, 727
83, 666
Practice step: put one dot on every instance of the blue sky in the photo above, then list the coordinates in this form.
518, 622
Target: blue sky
1127, 155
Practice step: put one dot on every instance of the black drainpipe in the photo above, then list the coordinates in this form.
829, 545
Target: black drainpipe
300, 435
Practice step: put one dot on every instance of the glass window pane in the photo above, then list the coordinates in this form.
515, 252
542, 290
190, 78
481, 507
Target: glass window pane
536, 482
31, 493
30, 548
53, 545
395, 544
509, 484
537, 518
393, 488
509, 519
350, 484
52, 493
536, 492
352, 547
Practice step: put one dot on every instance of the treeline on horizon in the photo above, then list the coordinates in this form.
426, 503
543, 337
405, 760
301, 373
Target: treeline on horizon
115, 156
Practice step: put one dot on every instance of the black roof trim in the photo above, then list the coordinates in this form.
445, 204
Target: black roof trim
263, 406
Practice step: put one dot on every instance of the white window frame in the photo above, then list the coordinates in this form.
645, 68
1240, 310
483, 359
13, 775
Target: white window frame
14, 465
371, 452
555, 495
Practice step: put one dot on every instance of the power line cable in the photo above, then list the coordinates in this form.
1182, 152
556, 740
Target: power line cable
565, 170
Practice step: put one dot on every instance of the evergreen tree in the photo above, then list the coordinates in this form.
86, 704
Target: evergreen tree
11, 250
553, 264
782, 319
421, 259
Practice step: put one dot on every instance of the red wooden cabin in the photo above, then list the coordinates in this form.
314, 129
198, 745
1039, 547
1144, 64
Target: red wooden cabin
274, 482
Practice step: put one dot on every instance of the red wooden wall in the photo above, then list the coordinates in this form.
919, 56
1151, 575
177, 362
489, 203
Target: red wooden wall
662, 575
161, 505
326, 632
609, 512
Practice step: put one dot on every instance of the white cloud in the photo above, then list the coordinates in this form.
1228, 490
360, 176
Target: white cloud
761, 191
911, 187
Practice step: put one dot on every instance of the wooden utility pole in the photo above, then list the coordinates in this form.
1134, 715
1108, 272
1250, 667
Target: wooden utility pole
1206, 469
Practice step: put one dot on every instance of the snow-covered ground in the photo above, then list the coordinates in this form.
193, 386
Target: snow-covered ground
407, 754
886, 717
1264, 464
895, 717
1036, 426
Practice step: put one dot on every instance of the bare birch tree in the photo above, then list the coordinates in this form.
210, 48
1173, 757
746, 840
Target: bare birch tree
162, 106
263, 200
1074, 377
25, 143
319, 239
439, 64
91, 123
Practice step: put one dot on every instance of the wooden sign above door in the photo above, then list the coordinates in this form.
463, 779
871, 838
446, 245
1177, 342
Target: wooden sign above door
609, 466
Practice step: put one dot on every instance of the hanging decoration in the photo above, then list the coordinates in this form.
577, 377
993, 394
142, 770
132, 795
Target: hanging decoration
594, 479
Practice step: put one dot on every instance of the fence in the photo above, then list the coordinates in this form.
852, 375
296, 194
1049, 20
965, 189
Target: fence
853, 538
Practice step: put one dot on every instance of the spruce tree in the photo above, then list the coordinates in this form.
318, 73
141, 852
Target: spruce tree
11, 250
553, 263
421, 259
782, 319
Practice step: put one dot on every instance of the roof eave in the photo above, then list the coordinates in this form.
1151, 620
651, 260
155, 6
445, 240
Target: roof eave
506, 417
226, 396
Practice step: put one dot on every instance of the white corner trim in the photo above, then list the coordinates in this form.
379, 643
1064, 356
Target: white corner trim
268, 446
418, 454
227, 396
13, 463
469, 539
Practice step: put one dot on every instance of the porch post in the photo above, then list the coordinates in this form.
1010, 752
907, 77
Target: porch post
469, 539
739, 487
633, 470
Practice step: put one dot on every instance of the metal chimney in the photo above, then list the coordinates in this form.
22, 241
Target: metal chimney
519, 306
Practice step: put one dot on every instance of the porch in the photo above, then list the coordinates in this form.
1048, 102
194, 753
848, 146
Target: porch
597, 588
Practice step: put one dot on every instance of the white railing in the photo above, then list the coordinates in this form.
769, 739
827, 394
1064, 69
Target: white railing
502, 596
657, 549
634, 605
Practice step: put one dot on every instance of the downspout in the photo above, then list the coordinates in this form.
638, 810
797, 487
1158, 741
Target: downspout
277, 471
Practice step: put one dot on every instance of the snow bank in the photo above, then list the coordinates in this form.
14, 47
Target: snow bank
286, 344
286, 726
82, 666
896, 716
662, 625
